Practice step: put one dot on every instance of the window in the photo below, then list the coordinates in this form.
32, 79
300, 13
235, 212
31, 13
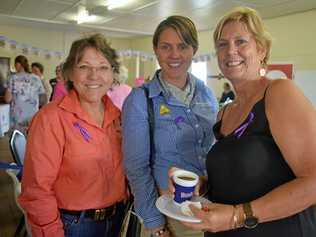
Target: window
199, 69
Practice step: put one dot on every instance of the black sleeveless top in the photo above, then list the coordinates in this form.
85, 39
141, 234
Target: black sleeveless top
246, 165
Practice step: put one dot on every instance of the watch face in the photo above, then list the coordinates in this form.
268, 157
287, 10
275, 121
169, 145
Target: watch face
251, 222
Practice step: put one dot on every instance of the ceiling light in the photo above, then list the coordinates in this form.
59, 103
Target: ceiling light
117, 3
83, 15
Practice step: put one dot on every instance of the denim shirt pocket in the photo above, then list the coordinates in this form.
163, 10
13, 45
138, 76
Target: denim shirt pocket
165, 137
185, 138
207, 114
205, 110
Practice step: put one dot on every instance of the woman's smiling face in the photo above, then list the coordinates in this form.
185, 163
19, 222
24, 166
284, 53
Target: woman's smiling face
174, 55
92, 76
238, 54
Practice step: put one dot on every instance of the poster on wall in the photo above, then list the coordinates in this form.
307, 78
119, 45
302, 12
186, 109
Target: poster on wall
277, 71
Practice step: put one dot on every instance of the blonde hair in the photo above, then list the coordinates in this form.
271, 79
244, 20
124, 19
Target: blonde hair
254, 23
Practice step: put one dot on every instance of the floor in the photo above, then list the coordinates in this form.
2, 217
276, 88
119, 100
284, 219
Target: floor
9, 212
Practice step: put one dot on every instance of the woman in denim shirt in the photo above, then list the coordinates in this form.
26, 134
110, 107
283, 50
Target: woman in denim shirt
184, 113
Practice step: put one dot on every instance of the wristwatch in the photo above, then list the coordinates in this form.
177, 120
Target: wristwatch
250, 220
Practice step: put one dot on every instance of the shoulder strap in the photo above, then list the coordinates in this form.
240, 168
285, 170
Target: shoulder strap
151, 118
223, 111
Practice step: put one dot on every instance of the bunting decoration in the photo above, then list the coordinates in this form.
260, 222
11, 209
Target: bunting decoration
145, 56
27, 49
11, 44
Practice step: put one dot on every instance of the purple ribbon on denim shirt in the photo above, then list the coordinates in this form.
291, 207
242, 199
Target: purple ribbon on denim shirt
178, 120
239, 131
84, 133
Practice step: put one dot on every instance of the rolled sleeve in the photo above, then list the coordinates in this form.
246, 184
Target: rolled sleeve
136, 149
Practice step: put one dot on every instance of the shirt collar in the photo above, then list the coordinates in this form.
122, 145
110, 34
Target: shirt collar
186, 95
71, 104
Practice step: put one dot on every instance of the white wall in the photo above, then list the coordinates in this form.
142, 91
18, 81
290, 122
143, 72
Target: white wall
306, 81
49, 39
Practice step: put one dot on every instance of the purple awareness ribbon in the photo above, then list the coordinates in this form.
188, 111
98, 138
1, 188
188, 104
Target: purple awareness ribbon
178, 120
83, 132
239, 131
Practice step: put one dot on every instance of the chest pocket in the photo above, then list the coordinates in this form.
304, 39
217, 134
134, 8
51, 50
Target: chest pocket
164, 134
174, 134
205, 110
81, 142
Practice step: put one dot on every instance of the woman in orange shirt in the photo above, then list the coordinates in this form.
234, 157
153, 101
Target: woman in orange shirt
73, 180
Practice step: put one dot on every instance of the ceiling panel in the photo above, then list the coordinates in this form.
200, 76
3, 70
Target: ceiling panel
135, 5
265, 3
40, 9
139, 18
8, 6
136, 22
285, 8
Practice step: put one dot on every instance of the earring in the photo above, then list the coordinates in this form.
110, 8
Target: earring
262, 70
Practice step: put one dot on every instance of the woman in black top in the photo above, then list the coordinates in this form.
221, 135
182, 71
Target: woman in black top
262, 169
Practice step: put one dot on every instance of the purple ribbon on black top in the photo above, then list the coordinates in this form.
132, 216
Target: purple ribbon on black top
84, 133
239, 131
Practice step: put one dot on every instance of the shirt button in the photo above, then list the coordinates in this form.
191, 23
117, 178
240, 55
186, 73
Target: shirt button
200, 157
200, 141
196, 125
188, 110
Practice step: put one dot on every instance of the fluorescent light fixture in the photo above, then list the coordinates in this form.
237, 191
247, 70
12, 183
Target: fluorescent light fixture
83, 15
117, 3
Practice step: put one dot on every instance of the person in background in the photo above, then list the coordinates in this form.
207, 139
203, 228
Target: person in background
53, 81
73, 180
262, 169
60, 89
25, 93
120, 90
228, 94
38, 70
184, 113
2, 89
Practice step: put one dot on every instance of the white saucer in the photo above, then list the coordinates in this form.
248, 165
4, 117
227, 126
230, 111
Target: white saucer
166, 206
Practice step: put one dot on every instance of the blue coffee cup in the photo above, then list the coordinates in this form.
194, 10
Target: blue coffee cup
184, 183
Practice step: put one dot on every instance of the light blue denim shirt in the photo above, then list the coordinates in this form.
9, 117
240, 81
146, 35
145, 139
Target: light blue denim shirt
182, 137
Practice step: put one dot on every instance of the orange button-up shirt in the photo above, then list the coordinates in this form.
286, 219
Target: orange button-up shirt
70, 163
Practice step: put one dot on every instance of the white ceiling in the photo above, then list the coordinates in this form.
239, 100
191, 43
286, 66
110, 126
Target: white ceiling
137, 19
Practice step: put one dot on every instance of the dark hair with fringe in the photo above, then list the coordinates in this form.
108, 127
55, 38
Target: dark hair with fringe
184, 27
39, 66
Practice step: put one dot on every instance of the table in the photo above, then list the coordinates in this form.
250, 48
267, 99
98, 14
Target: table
4, 118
